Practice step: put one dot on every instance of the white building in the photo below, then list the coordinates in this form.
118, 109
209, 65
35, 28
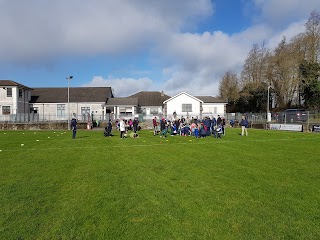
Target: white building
52, 103
184, 104
21, 103
14, 100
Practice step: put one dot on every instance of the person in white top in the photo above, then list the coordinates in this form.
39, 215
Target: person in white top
122, 128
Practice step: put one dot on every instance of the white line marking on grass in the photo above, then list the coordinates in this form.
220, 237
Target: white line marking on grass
161, 144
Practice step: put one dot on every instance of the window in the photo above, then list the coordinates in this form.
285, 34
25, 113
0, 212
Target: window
34, 110
154, 110
9, 92
215, 110
5, 110
20, 93
85, 110
61, 110
186, 107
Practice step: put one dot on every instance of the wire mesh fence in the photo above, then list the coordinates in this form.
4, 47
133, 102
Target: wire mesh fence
276, 117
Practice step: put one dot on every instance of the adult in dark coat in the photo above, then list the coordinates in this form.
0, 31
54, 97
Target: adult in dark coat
219, 120
74, 127
135, 125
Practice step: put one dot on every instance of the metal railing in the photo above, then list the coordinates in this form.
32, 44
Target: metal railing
276, 117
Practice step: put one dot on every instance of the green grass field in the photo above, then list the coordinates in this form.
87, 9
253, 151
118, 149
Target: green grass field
264, 186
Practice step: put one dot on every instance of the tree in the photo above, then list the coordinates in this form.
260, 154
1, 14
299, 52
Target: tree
313, 36
229, 90
310, 73
283, 74
255, 66
254, 80
291, 69
252, 98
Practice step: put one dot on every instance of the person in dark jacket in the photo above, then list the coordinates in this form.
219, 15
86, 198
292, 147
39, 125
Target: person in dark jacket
74, 127
163, 128
223, 125
207, 123
135, 125
219, 120
108, 129
244, 125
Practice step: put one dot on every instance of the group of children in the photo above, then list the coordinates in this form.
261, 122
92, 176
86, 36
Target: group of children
193, 127
183, 127
123, 126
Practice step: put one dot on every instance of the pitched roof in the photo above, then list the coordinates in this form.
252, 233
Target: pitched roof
123, 101
77, 94
183, 93
4, 83
209, 99
150, 98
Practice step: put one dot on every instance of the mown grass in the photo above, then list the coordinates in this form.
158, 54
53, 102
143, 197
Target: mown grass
264, 186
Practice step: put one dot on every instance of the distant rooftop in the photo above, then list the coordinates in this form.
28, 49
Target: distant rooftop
77, 94
10, 83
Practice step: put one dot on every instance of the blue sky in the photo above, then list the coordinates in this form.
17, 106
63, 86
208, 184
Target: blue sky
139, 45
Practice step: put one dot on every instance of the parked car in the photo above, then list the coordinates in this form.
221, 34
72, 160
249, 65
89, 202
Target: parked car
293, 116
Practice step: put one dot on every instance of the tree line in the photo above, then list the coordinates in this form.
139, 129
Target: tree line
290, 73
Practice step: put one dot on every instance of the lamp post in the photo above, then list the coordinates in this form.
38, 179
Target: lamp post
69, 78
268, 104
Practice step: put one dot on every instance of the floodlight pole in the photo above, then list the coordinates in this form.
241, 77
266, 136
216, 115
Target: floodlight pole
69, 78
268, 104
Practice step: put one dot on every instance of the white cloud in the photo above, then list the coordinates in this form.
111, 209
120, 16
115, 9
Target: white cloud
122, 87
201, 60
39, 30
291, 31
281, 13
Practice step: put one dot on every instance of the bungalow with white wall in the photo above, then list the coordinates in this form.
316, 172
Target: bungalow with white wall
52, 103
184, 104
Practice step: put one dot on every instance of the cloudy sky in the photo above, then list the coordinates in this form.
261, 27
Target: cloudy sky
139, 45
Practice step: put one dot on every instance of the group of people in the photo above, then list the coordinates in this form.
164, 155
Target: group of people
190, 127
182, 127
124, 125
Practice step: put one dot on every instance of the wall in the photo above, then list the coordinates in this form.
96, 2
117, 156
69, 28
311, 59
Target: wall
175, 105
48, 111
208, 109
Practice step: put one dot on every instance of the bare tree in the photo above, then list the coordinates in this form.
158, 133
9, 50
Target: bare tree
229, 87
283, 74
255, 66
313, 36
280, 68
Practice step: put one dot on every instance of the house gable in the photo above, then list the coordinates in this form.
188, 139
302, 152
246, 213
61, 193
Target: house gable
10, 83
179, 95
183, 104
14, 98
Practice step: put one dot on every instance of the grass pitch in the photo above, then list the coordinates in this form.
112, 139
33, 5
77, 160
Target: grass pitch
264, 186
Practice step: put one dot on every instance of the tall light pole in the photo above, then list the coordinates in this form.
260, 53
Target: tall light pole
268, 104
69, 78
